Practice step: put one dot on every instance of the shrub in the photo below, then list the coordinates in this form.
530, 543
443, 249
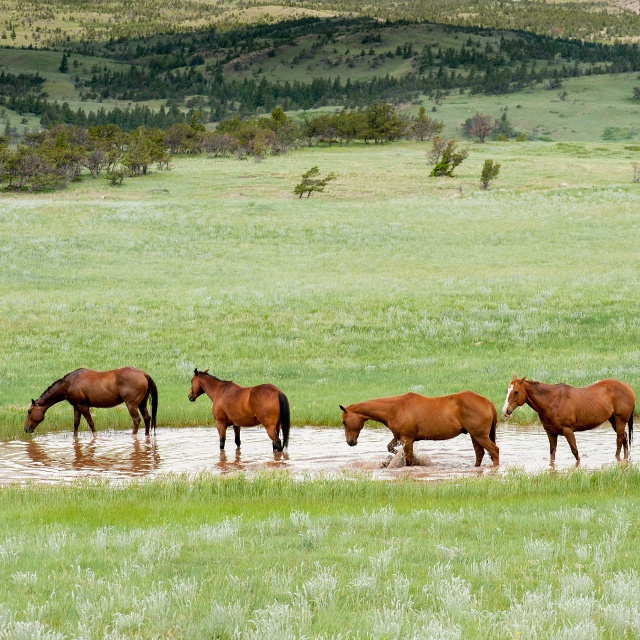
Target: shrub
450, 157
490, 171
521, 137
312, 182
636, 171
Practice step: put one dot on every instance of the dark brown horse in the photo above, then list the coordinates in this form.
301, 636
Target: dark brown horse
84, 388
238, 406
412, 417
564, 409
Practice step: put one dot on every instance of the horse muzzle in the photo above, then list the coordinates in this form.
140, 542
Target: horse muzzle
192, 398
29, 429
352, 442
506, 413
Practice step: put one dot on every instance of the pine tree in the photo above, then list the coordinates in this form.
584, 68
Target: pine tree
64, 64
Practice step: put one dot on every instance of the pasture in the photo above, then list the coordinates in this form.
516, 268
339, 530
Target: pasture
391, 281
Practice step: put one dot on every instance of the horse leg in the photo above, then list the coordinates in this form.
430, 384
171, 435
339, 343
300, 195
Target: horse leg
479, 451
273, 431
87, 416
236, 431
621, 437
408, 451
553, 445
222, 433
393, 444
135, 416
571, 439
146, 416
76, 420
491, 447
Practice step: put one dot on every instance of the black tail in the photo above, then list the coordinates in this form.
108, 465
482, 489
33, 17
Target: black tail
494, 424
630, 425
285, 418
153, 392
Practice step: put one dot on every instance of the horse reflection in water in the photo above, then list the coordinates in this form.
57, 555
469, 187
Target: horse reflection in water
91, 456
233, 464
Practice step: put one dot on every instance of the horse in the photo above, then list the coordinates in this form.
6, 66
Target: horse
412, 417
84, 388
564, 409
236, 406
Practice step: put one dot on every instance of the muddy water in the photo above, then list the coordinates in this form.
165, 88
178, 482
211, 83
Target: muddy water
117, 455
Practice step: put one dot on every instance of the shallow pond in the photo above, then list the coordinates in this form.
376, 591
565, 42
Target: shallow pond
117, 455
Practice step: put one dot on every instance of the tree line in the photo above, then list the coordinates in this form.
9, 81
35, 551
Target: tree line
52, 158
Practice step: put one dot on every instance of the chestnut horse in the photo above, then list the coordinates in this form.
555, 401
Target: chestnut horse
238, 406
84, 388
564, 409
412, 417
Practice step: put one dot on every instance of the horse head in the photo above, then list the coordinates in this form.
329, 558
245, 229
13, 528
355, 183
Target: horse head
196, 385
516, 396
353, 423
35, 416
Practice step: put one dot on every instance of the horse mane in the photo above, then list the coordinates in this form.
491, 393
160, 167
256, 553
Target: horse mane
204, 373
53, 384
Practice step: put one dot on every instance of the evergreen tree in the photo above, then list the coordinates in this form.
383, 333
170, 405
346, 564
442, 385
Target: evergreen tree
64, 64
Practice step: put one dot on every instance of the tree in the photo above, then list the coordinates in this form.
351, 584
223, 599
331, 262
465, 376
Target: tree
64, 64
450, 158
490, 171
425, 127
481, 125
384, 123
503, 127
311, 182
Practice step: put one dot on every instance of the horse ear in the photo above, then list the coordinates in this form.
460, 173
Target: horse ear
205, 371
523, 378
342, 408
514, 378
195, 371
32, 401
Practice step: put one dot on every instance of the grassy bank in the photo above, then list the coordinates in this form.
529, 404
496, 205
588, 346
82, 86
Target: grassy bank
389, 282
548, 556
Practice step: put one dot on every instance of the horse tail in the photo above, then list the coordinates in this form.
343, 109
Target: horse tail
285, 418
630, 425
153, 392
494, 423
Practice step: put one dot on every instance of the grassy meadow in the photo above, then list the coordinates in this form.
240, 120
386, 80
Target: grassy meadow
390, 281
553, 556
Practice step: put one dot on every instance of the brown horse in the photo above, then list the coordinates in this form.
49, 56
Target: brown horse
564, 409
84, 388
412, 417
238, 406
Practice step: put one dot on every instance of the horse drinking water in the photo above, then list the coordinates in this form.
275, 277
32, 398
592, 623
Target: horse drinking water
564, 409
412, 417
84, 388
238, 406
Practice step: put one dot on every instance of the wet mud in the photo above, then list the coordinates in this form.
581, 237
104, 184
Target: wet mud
117, 455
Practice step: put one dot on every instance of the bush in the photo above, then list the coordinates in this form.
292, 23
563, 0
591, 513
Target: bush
490, 171
521, 137
116, 176
446, 156
311, 182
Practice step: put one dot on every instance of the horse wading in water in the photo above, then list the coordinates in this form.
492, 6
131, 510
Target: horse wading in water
412, 417
236, 406
84, 388
564, 409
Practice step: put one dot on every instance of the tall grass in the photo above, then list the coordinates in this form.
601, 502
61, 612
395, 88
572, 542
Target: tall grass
542, 557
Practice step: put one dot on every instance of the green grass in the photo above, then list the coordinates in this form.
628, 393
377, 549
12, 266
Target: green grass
549, 556
389, 282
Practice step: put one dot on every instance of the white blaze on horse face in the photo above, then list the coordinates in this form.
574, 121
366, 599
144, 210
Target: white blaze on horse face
506, 402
